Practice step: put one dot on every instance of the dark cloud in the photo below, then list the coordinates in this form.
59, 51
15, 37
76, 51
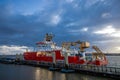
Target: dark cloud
24, 25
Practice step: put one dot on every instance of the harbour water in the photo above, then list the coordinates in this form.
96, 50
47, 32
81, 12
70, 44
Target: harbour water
22, 72
114, 61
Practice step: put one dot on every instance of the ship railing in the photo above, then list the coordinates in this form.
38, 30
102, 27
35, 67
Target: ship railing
49, 42
44, 49
103, 69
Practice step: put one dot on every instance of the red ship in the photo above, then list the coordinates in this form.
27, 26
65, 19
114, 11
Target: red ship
47, 52
44, 52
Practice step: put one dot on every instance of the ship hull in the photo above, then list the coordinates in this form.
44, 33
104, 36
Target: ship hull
98, 62
34, 56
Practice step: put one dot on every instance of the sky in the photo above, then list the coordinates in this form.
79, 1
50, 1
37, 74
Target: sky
25, 22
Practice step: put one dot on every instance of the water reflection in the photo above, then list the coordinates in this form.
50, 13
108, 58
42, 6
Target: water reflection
20, 72
44, 74
37, 73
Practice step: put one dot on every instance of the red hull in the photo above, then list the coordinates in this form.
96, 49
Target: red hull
33, 56
99, 62
30, 55
39, 57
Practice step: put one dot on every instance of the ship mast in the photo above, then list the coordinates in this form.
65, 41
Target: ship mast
48, 37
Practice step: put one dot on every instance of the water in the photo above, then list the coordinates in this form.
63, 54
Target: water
21, 72
114, 61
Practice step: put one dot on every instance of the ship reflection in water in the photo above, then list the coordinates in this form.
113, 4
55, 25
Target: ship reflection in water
44, 74
21, 72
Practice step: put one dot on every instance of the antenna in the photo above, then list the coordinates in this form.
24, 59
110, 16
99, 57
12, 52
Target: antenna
48, 37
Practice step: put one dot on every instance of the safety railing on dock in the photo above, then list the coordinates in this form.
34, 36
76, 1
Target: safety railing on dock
103, 69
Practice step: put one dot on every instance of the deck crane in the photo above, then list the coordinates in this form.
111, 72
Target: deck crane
78, 57
82, 45
98, 57
98, 53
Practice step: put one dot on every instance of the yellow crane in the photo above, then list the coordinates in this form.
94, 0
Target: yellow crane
82, 45
98, 54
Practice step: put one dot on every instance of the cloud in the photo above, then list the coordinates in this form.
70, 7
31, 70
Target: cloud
107, 41
69, 1
106, 15
115, 49
25, 22
89, 3
108, 45
109, 31
116, 34
106, 30
71, 24
13, 49
118, 48
84, 29
55, 19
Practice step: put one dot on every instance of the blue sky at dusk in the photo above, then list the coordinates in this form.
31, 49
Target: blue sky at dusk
24, 22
